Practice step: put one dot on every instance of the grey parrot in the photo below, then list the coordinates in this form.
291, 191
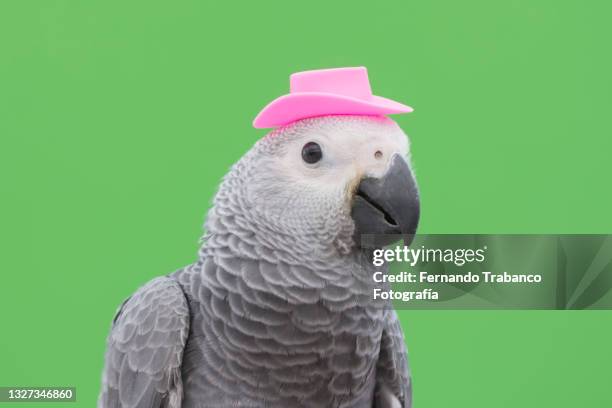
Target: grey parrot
278, 311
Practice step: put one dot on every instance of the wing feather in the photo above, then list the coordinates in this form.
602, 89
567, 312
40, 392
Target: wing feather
394, 386
145, 349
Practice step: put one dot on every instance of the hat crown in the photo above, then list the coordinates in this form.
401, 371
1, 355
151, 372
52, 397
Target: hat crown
352, 82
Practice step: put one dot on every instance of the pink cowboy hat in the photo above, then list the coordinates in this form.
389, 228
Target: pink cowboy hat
338, 91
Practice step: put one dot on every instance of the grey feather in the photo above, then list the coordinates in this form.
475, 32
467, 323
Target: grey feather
145, 349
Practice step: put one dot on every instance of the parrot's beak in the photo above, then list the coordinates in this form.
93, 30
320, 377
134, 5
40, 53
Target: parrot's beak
386, 209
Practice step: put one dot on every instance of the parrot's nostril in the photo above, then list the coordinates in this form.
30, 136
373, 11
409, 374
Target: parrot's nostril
378, 154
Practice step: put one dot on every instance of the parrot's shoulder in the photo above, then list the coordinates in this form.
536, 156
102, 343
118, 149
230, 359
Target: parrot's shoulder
163, 293
145, 348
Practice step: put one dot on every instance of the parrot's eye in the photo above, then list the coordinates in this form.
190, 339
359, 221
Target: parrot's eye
311, 153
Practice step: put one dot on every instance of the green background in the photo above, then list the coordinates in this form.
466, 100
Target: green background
118, 119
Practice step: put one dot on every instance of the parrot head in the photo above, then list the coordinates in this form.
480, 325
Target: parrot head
333, 181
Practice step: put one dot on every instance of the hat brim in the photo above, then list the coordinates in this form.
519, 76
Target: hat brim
289, 108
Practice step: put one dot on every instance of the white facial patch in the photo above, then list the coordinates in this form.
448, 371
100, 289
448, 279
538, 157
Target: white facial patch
353, 147
290, 194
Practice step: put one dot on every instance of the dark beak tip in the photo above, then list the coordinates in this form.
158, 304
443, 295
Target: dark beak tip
387, 209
